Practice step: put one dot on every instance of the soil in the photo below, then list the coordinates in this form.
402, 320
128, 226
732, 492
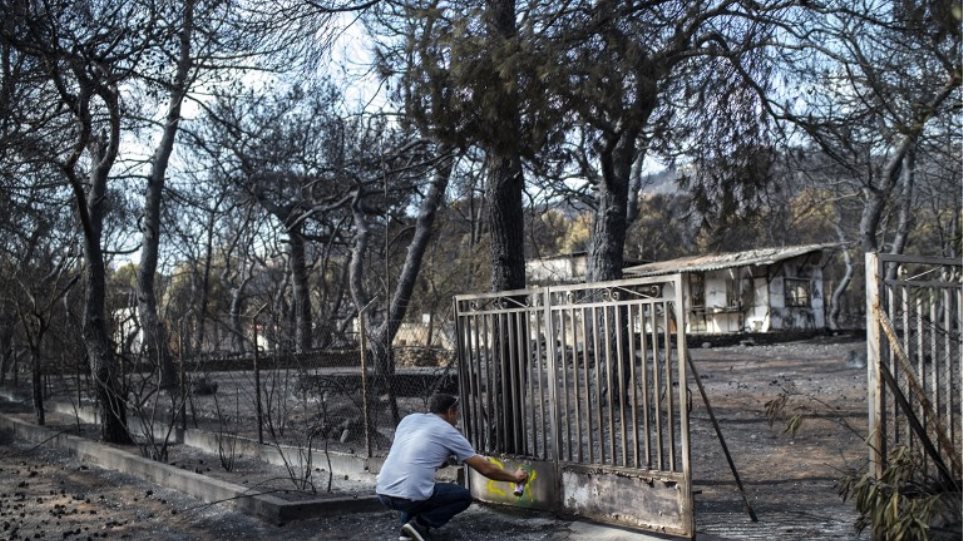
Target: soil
790, 479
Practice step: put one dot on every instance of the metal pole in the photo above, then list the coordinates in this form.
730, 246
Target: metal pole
722, 440
362, 330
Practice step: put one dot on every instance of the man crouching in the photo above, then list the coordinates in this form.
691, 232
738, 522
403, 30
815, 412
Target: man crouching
423, 443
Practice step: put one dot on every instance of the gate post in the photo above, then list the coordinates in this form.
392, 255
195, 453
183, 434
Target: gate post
464, 375
554, 417
875, 392
681, 317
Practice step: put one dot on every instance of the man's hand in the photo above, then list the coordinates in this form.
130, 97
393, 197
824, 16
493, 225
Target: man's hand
491, 471
520, 475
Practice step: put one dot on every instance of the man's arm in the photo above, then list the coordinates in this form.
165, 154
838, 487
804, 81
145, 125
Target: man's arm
491, 471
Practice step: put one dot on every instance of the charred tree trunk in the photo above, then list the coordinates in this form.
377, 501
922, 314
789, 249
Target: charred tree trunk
607, 248
506, 223
156, 345
111, 402
954, 240
90, 198
332, 292
625, 109
870, 218
614, 211
905, 215
34, 328
205, 292
607, 245
416, 251
508, 273
384, 365
335, 330
506, 226
302, 292
836, 299
877, 195
396, 310
835, 303
237, 307
36, 380
506, 178
6, 347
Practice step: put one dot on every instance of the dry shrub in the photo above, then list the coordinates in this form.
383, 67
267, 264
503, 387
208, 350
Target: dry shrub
906, 502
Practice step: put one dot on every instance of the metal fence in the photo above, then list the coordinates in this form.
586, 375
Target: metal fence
363, 405
915, 345
277, 397
585, 384
623, 411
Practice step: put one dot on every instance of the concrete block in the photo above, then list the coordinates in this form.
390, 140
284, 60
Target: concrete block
85, 412
656, 501
355, 467
540, 490
280, 455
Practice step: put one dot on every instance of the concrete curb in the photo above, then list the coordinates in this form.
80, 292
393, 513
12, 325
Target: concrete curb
264, 506
277, 455
357, 467
280, 455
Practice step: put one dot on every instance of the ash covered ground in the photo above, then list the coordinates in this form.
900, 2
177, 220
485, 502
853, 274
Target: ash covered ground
790, 479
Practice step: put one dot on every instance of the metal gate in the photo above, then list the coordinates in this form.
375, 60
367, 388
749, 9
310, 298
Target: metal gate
914, 344
584, 386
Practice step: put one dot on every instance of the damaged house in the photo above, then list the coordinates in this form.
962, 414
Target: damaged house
768, 289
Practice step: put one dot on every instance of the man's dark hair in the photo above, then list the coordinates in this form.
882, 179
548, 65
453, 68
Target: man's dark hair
441, 402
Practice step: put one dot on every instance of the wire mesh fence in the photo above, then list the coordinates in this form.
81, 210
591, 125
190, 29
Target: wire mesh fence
315, 399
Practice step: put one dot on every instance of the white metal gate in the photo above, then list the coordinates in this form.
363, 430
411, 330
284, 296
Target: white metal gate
584, 385
915, 359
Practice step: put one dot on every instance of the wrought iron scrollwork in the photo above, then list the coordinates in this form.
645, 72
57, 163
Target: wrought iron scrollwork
486, 304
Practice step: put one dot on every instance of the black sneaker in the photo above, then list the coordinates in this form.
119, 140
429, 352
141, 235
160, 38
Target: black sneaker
415, 531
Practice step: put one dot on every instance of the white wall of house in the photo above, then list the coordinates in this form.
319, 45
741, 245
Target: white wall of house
416, 334
716, 289
795, 275
765, 308
556, 270
757, 316
819, 298
721, 314
216, 337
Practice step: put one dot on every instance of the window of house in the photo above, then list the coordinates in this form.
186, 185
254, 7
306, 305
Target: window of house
798, 293
739, 292
697, 290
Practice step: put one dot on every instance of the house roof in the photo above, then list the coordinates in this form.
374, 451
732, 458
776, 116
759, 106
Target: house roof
761, 256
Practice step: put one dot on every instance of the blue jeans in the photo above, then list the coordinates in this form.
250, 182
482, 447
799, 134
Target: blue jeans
446, 501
